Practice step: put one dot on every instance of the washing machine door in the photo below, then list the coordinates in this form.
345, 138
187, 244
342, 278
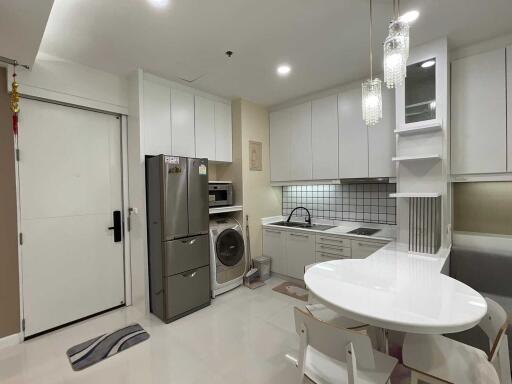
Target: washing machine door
230, 247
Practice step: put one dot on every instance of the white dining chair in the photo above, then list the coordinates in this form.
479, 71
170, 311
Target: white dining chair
332, 355
321, 312
438, 359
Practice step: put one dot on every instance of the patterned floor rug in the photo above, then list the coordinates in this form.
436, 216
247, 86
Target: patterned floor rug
95, 350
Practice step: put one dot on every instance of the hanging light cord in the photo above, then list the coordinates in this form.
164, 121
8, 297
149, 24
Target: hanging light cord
371, 41
396, 9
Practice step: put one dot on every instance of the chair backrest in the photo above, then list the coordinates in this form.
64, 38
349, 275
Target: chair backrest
333, 341
494, 324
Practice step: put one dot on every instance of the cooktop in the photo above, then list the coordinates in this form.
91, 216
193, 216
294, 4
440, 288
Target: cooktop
364, 231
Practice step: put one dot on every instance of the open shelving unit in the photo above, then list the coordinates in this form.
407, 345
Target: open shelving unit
415, 194
420, 127
232, 208
434, 156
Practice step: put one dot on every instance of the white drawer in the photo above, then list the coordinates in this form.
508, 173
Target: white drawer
335, 250
362, 249
324, 256
332, 240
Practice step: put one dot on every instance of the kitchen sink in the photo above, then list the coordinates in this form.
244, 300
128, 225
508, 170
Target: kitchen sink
294, 224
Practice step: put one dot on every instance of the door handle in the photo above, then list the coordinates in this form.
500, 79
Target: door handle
117, 228
189, 274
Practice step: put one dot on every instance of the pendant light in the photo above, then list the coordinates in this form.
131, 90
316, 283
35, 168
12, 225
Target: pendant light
371, 89
396, 50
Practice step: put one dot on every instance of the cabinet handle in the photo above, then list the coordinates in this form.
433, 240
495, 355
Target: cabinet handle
327, 255
298, 235
368, 245
271, 231
333, 248
189, 274
337, 241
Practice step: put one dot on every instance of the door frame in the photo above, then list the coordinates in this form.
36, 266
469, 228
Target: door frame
123, 126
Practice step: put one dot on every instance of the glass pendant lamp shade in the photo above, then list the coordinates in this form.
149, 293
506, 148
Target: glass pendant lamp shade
371, 89
372, 101
396, 53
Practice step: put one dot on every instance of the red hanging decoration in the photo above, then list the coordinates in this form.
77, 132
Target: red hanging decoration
14, 103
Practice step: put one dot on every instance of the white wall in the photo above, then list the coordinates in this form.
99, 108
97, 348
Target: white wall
260, 199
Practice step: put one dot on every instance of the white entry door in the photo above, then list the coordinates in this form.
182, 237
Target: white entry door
70, 184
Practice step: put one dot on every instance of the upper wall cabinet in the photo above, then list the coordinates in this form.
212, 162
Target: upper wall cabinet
280, 145
299, 140
213, 130
205, 127
324, 141
327, 139
182, 123
177, 122
156, 118
353, 138
479, 116
223, 132
381, 139
290, 144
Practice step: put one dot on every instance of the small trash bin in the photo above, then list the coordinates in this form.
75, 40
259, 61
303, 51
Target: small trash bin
262, 264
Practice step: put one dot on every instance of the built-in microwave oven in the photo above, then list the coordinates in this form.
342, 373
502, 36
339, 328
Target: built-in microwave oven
220, 194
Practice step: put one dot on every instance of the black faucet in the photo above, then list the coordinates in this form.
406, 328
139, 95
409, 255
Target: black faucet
308, 219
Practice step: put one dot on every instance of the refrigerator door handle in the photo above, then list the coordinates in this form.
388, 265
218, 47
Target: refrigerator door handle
189, 274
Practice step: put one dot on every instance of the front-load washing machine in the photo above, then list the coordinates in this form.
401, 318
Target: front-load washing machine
227, 251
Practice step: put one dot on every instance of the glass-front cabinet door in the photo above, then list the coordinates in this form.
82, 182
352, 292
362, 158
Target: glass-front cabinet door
420, 92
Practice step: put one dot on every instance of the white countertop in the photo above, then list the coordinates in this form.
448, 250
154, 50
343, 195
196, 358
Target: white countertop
386, 232
397, 290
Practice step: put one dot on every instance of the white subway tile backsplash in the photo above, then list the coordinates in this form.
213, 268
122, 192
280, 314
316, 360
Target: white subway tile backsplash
349, 202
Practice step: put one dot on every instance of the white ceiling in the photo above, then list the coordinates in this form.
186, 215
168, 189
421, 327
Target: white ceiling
22, 24
325, 41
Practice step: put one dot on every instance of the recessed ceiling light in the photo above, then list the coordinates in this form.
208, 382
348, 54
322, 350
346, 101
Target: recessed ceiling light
410, 16
428, 64
159, 3
284, 70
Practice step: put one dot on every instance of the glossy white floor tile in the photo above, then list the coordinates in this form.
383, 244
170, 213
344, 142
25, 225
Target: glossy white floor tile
242, 337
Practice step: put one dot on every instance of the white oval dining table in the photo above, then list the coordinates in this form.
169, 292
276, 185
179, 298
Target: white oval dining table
398, 291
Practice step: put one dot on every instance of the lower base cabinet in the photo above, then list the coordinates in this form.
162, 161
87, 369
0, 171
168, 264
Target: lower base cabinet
362, 249
300, 251
290, 251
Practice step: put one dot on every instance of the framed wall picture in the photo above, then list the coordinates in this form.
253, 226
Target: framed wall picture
255, 148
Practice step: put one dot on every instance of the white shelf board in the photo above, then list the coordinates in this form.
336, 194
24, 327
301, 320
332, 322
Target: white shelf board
415, 194
232, 208
435, 156
418, 128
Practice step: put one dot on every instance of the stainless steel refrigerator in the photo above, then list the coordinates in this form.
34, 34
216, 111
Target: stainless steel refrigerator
178, 246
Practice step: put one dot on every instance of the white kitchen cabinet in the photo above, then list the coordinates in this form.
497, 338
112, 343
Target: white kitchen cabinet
223, 132
361, 249
156, 119
205, 128
381, 139
300, 251
353, 136
274, 246
324, 137
279, 145
478, 110
509, 108
290, 144
182, 123
299, 140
